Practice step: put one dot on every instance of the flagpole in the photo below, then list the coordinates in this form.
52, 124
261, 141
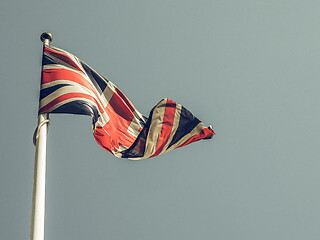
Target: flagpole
39, 178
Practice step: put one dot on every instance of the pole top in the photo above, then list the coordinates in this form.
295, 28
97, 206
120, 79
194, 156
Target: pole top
46, 37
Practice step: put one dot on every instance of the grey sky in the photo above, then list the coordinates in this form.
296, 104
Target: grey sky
251, 68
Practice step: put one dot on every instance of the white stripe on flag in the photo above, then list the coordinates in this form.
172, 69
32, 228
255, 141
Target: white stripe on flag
155, 128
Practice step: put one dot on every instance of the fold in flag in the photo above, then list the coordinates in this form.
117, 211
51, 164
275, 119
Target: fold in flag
68, 85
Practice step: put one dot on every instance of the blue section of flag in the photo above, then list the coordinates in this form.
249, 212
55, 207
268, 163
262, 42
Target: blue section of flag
96, 79
47, 91
79, 107
46, 60
186, 124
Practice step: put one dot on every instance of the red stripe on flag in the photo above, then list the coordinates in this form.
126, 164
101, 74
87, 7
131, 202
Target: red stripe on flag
205, 133
51, 75
113, 134
104, 139
69, 96
120, 107
125, 99
167, 125
62, 57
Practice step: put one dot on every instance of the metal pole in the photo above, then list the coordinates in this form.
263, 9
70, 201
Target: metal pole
39, 178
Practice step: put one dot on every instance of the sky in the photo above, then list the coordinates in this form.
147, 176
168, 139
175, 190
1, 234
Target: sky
250, 68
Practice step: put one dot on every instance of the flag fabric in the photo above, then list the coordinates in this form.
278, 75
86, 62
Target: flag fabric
68, 85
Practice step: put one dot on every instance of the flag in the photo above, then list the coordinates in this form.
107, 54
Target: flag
68, 85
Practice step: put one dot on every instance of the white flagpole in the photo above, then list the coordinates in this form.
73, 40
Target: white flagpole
39, 178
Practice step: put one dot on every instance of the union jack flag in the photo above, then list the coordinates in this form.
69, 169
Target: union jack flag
68, 85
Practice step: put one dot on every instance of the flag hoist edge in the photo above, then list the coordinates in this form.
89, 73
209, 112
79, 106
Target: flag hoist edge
68, 85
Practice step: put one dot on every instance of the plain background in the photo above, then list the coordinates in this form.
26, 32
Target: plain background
250, 68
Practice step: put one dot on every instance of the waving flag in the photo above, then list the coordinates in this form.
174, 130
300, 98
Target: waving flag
68, 85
